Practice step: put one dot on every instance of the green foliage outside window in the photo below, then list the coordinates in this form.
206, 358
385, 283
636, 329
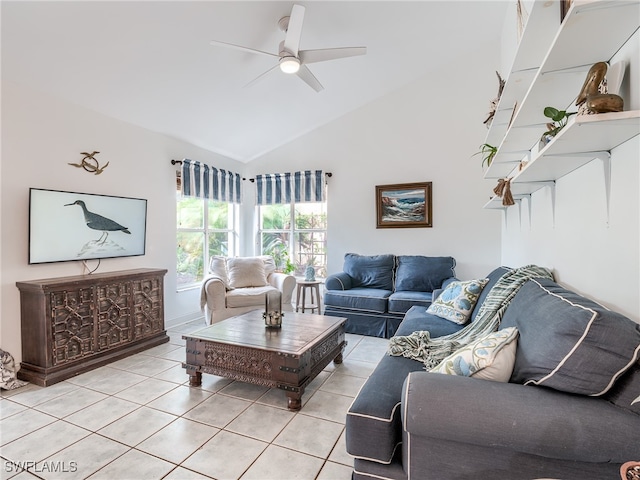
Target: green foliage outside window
293, 249
192, 232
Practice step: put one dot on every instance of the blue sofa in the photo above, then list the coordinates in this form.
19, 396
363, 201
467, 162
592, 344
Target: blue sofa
570, 410
375, 292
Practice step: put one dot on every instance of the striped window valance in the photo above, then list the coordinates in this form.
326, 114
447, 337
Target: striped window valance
201, 180
298, 187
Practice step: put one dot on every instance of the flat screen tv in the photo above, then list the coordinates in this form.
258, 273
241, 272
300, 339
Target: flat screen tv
66, 226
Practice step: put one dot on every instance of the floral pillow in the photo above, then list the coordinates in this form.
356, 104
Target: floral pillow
491, 358
456, 302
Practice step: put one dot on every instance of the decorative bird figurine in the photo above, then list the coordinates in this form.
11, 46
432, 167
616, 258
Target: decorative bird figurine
98, 222
593, 98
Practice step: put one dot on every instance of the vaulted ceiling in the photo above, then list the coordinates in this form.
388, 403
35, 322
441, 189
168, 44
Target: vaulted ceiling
150, 63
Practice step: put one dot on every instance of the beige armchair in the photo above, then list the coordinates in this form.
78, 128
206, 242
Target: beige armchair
238, 285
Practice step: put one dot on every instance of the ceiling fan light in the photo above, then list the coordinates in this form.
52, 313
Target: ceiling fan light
289, 64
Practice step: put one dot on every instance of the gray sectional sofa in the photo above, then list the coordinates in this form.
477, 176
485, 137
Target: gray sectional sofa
375, 291
570, 410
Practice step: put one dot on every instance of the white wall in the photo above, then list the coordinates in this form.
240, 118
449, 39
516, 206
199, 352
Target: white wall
40, 135
590, 253
427, 131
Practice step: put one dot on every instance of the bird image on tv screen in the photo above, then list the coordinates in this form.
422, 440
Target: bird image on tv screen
66, 226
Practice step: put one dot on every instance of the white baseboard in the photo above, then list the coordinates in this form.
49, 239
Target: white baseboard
174, 322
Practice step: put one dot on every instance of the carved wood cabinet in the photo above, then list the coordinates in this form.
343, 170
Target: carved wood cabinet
74, 324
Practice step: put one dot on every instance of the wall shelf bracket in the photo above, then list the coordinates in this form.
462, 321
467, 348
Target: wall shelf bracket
606, 166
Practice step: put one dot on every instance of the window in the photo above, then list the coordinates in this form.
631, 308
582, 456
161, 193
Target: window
295, 235
203, 222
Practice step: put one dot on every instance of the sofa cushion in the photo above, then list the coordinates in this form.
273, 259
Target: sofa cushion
400, 302
218, 268
568, 342
416, 273
363, 299
373, 423
456, 302
370, 271
492, 357
626, 391
417, 319
248, 297
269, 264
246, 272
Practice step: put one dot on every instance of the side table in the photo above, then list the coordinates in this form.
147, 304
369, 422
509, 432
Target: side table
312, 286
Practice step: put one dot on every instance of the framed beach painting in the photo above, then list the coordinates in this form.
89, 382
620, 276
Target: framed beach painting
404, 205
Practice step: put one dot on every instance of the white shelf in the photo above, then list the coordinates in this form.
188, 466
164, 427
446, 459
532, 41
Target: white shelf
584, 138
537, 36
593, 31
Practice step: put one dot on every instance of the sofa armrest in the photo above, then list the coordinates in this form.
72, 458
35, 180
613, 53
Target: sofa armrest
526, 419
339, 281
213, 294
437, 291
285, 283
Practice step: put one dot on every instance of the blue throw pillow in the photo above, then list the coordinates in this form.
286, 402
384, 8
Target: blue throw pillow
371, 271
416, 273
568, 342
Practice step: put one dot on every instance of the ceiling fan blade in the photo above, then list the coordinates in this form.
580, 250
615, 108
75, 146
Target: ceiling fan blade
324, 54
294, 30
261, 76
216, 43
305, 74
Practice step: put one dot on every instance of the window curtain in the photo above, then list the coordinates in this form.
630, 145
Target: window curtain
298, 187
201, 180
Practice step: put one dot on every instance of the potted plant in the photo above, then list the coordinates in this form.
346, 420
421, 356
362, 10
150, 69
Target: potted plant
560, 119
488, 152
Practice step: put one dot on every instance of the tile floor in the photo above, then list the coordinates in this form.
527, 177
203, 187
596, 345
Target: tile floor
138, 419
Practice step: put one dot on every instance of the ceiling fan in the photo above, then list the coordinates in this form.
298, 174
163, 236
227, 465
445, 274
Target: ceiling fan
291, 60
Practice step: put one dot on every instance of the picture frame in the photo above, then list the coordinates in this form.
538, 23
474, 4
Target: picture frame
404, 205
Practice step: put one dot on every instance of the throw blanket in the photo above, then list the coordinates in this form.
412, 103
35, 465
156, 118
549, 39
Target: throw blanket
8, 371
431, 351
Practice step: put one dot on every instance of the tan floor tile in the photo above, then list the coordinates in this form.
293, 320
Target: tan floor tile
219, 457
178, 440
38, 445
134, 465
146, 391
283, 464
102, 413
261, 421
180, 400
137, 426
217, 410
85, 457
310, 435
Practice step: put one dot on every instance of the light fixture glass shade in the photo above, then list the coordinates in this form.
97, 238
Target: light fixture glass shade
289, 64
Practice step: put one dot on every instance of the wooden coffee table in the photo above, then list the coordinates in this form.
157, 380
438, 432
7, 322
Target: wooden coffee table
288, 358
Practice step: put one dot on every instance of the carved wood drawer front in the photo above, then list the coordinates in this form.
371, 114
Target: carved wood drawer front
74, 324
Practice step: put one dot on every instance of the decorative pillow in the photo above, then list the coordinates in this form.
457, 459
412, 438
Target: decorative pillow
456, 302
218, 268
269, 264
375, 271
568, 342
417, 273
246, 272
491, 358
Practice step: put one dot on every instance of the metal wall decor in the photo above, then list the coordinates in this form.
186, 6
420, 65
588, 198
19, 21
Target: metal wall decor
90, 163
